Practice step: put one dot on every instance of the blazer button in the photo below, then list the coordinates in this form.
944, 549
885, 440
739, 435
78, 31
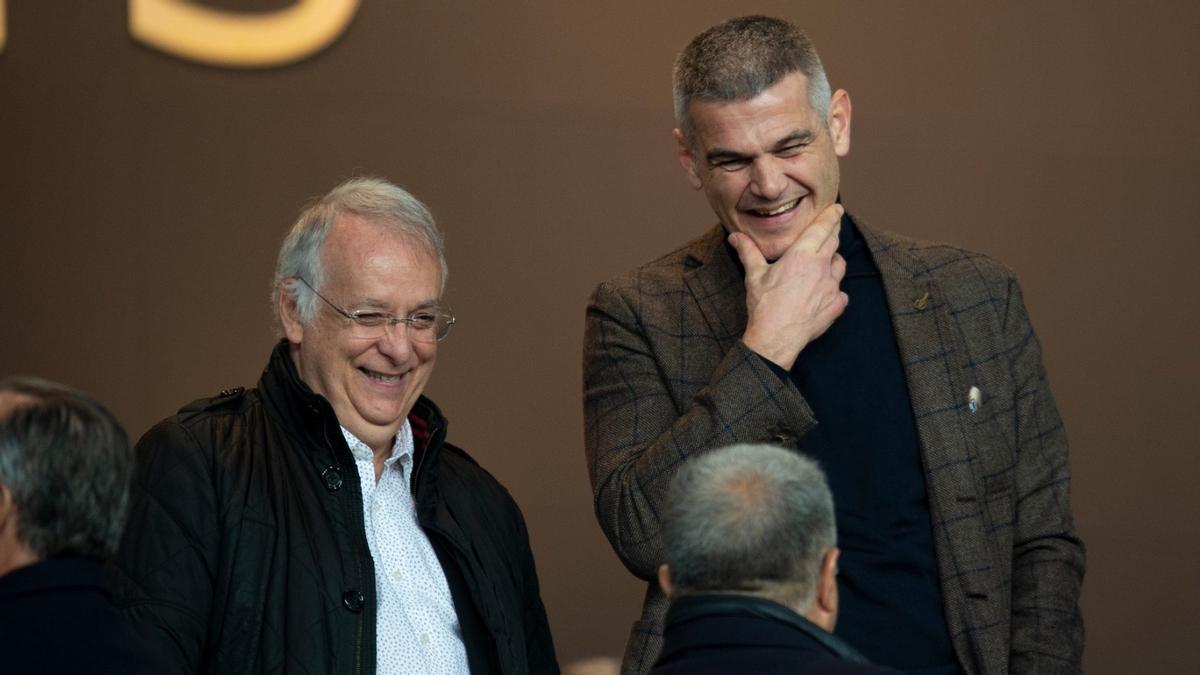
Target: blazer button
353, 600
333, 479
783, 436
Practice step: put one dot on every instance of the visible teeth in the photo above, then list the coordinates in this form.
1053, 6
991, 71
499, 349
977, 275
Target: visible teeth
381, 377
779, 210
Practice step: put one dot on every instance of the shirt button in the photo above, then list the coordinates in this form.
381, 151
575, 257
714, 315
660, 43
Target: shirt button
398, 575
424, 638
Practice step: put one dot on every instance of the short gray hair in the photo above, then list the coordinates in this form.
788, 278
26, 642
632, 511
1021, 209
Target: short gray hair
743, 57
374, 199
745, 517
68, 464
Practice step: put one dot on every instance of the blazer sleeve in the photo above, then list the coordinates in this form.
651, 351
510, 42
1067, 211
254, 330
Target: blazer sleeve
1048, 555
636, 431
167, 558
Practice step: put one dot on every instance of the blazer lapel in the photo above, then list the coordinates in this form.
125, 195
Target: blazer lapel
714, 278
937, 367
929, 346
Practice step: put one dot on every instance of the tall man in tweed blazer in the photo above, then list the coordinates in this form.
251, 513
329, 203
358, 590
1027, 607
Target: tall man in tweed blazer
909, 370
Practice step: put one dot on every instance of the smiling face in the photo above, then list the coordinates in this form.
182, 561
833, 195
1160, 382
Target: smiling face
372, 384
768, 165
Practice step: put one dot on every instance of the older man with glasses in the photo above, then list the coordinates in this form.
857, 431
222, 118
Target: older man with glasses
320, 523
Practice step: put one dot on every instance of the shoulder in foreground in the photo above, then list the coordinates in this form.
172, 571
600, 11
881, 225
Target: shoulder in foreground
235, 400
193, 420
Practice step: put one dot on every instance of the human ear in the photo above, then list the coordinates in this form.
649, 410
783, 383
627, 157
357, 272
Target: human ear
686, 160
289, 316
6, 503
826, 609
839, 122
664, 579
8, 515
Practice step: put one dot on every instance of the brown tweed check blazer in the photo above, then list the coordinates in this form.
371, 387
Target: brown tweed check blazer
666, 377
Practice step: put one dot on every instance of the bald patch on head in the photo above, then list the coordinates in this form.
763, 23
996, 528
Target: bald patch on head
749, 491
11, 400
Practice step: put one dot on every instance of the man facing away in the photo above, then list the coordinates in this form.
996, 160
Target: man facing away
909, 370
320, 523
751, 568
65, 467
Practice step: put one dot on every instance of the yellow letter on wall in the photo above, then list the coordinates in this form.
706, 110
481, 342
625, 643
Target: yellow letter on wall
223, 38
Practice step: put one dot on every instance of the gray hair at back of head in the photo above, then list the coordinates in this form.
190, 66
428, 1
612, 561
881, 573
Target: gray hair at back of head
745, 516
373, 199
68, 464
743, 57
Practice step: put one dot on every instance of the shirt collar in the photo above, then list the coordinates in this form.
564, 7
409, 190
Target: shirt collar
402, 445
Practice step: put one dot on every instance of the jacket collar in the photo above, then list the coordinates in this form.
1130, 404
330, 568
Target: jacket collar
722, 607
53, 573
714, 275
309, 415
923, 318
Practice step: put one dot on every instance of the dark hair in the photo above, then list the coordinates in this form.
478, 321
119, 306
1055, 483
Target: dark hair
68, 464
743, 57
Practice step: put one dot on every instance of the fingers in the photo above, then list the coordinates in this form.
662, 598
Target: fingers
795, 299
831, 220
830, 312
748, 252
837, 269
829, 247
821, 232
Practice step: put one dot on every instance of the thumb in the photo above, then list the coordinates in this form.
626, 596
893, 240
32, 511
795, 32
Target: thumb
752, 258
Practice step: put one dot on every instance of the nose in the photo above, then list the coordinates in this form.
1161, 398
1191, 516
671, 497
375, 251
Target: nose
396, 343
767, 178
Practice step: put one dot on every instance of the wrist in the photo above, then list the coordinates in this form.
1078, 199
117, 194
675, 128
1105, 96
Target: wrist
782, 355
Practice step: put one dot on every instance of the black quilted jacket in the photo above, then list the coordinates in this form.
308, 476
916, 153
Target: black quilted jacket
245, 550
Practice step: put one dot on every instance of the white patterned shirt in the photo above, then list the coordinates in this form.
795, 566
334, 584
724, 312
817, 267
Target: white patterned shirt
416, 627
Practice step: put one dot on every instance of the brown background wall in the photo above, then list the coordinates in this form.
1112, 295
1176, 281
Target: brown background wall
142, 199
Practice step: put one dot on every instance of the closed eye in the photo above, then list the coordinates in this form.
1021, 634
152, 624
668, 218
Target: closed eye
371, 319
794, 143
730, 163
791, 150
423, 320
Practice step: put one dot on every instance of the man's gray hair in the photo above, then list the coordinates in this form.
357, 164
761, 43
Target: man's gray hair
743, 57
68, 464
373, 199
748, 517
